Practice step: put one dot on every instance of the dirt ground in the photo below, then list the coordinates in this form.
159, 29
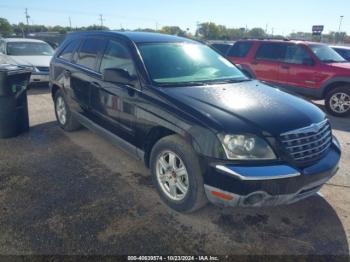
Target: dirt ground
75, 193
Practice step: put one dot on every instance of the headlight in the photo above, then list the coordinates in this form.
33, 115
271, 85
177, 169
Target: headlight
246, 147
28, 67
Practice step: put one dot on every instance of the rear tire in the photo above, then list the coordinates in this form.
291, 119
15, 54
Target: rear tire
63, 114
185, 175
337, 101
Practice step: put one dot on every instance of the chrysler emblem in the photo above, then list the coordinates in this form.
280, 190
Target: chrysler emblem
314, 128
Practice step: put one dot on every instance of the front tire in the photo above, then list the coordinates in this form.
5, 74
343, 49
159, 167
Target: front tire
337, 101
177, 174
64, 116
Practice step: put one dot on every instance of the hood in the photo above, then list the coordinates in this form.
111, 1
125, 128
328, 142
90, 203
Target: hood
41, 60
247, 107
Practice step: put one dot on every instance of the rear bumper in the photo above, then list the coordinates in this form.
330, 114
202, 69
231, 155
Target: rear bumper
231, 185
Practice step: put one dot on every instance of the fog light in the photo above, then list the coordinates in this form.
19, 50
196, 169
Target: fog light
254, 199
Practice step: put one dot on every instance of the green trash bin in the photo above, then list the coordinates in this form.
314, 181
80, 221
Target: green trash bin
14, 118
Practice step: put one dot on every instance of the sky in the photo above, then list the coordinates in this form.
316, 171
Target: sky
283, 17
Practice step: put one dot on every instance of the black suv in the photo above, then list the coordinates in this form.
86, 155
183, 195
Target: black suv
204, 129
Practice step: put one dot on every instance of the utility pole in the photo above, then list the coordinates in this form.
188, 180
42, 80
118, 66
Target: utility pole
27, 16
340, 23
101, 20
70, 22
27, 19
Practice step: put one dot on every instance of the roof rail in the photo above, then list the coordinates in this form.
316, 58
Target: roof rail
268, 38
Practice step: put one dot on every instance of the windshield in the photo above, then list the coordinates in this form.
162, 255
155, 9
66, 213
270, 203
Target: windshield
343, 52
187, 64
326, 54
29, 49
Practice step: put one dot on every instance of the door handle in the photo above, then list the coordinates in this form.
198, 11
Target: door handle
128, 89
95, 84
254, 62
67, 73
285, 66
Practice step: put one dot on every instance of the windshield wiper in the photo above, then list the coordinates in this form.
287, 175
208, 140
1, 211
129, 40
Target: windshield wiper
231, 81
179, 84
203, 83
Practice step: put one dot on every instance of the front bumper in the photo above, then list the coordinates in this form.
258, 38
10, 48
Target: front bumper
39, 77
269, 185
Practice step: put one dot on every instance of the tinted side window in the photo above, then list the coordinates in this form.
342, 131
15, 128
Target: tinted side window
240, 49
67, 52
89, 51
271, 51
117, 56
343, 52
296, 54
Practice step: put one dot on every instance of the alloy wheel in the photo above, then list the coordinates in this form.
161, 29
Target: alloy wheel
61, 110
340, 102
172, 175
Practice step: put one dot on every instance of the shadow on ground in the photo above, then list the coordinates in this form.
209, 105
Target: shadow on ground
338, 123
56, 198
38, 89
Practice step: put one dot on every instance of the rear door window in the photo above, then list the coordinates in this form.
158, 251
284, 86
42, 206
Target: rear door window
89, 51
295, 54
271, 51
240, 49
67, 52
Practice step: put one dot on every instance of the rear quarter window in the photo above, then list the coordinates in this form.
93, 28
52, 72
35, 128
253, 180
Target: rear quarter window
240, 49
271, 51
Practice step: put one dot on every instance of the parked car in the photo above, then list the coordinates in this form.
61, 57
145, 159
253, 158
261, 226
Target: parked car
310, 69
222, 48
204, 129
344, 51
29, 53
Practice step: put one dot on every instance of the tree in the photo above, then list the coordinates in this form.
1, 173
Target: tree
5, 27
150, 30
235, 33
208, 30
257, 33
173, 30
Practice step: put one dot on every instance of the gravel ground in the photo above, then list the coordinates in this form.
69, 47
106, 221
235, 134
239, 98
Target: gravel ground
74, 193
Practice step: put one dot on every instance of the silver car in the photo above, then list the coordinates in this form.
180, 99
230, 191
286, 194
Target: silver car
29, 53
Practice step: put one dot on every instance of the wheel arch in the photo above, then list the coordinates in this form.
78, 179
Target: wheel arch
153, 136
54, 89
202, 140
333, 83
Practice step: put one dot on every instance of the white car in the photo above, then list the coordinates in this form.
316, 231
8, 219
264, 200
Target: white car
29, 53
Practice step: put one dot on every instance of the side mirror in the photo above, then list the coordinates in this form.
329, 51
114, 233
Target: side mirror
118, 76
308, 61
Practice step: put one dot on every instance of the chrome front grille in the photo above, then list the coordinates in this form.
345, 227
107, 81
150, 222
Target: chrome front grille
309, 143
44, 69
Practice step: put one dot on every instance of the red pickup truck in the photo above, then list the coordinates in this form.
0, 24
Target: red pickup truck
311, 69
